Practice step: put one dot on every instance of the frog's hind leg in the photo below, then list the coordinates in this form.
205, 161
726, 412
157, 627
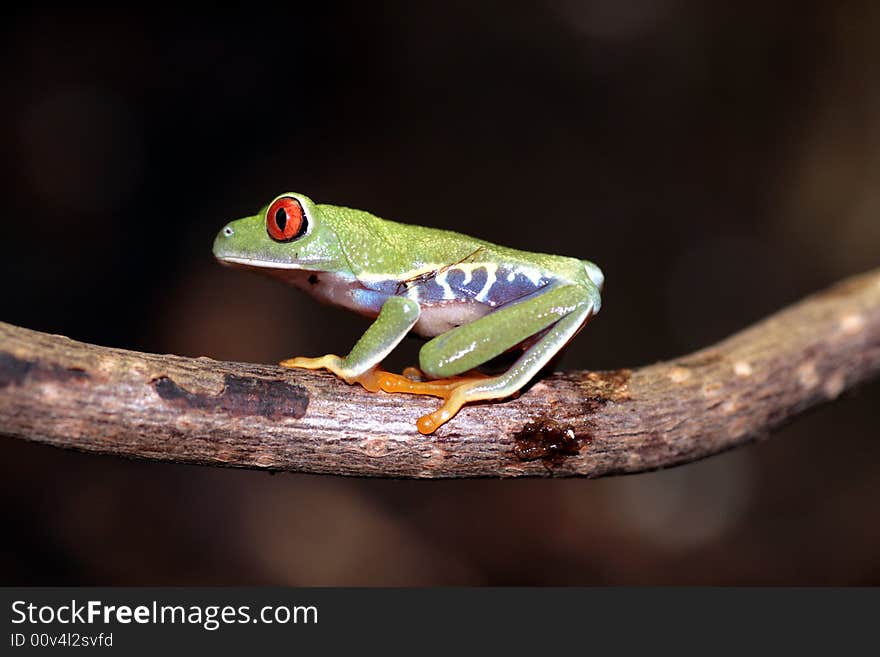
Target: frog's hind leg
547, 319
506, 384
397, 316
450, 358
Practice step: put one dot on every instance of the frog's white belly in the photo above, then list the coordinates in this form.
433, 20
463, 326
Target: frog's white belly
438, 318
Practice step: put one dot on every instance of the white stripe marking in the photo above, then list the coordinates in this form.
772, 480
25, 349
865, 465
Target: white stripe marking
491, 269
442, 282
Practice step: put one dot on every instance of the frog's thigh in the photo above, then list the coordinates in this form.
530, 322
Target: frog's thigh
504, 385
471, 345
397, 317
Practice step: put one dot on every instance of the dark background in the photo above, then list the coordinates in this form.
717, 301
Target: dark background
718, 162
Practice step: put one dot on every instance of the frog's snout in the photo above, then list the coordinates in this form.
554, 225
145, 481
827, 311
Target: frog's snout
222, 240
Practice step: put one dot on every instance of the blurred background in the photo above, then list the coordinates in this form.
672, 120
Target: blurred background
718, 160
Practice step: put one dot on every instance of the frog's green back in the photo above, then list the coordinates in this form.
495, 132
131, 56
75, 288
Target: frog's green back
435, 266
378, 247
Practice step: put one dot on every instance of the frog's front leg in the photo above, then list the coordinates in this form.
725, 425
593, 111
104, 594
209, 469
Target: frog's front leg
562, 308
397, 316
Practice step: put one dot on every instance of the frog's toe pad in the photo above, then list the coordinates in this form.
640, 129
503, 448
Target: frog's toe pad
413, 373
451, 405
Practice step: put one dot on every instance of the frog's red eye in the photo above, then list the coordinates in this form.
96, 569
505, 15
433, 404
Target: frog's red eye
285, 220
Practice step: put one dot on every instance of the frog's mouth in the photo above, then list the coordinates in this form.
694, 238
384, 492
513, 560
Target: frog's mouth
248, 263
275, 269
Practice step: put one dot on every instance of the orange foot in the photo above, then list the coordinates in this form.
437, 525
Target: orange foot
451, 390
375, 379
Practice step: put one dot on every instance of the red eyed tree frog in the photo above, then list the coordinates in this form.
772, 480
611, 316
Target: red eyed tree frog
473, 299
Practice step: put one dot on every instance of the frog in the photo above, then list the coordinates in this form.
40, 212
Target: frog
471, 300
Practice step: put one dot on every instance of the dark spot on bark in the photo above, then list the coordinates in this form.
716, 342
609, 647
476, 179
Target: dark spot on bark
548, 440
241, 396
313, 279
15, 371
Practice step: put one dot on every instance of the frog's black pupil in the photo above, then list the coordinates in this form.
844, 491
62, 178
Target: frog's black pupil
281, 219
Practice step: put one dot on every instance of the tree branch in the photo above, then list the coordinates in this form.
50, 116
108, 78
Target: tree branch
65, 393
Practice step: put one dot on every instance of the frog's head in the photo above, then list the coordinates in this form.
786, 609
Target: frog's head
288, 234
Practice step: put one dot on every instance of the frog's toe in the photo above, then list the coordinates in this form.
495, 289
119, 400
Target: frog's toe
443, 388
330, 362
451, 406
413, 373
376, 379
